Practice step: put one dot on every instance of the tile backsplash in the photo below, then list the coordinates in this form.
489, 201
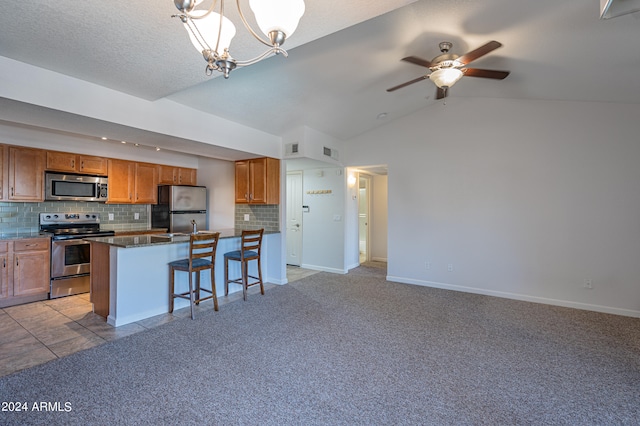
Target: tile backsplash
265, 216
24, 217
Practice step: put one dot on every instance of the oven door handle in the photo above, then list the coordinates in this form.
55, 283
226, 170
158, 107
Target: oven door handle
73, 242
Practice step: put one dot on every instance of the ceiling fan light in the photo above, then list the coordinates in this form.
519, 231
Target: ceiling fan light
206, 31
277, 15
446, 77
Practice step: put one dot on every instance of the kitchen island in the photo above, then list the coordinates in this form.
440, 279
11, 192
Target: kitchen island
130, 274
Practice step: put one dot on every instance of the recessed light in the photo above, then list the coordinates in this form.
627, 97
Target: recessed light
103, 138
157, 149
123, 141
381, 116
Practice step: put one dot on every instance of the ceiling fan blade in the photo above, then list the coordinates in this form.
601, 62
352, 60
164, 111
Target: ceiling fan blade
441, 93
480, 51
477, 72
418, 61
415, 80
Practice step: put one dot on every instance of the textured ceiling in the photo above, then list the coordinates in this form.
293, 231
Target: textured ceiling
342, 58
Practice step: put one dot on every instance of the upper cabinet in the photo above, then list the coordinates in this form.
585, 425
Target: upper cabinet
25, 174
121, 175
170, 175
132, 183
146, 183
3, 172
76, 163
258, 181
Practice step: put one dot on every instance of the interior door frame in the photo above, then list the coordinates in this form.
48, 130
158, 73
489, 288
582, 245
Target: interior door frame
297, 206
367, 179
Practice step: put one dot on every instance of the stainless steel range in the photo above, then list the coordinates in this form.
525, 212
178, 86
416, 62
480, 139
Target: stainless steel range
70, 255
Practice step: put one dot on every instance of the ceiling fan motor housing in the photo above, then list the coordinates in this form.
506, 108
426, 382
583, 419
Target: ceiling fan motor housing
446, 60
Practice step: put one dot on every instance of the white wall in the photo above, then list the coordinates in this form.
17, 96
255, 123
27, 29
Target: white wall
22, 136
526, 199
311, 144
378, 222
219, 178
323, 225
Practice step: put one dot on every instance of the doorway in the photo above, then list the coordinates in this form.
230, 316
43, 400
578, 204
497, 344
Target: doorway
364, 216
294, 218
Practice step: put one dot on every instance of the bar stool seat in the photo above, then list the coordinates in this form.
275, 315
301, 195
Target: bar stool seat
202, 255
250, 247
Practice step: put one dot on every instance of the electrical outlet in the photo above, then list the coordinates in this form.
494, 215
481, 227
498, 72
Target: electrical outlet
246, 218
427, 265
588, 284
136, 216
110, 216
450, 267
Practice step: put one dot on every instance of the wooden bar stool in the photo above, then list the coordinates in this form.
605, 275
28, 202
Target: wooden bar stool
201, 247
250, 246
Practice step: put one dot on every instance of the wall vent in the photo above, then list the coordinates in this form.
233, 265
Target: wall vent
333, 153
291, 149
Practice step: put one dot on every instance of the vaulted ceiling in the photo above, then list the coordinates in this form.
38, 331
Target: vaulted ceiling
342, 58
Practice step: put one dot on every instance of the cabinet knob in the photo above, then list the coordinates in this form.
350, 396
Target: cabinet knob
73, 164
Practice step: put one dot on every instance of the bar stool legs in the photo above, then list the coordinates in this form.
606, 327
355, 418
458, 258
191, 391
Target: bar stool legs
202, 247
250, 248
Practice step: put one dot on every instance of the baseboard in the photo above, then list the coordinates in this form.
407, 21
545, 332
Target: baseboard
353, 265
275, 281
324, 269
522, 297
379, 259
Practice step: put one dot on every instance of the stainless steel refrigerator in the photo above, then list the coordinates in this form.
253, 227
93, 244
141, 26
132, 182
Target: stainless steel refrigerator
177, 206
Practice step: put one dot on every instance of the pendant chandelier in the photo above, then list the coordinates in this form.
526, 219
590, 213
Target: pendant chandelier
211, 32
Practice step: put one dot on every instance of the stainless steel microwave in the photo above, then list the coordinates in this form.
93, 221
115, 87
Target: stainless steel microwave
60, 187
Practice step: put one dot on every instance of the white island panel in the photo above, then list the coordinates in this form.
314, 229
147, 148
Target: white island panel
139, 276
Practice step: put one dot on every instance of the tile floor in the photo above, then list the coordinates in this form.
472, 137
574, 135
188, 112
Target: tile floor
38, 332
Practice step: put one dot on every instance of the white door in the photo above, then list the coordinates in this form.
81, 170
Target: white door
294, 218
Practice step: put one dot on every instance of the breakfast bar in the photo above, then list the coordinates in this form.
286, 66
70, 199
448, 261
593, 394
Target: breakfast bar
130, 274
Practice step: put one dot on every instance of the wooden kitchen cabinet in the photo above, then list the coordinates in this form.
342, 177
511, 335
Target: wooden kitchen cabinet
76, 163
132, 183
5, 264
121, 180
146, 183
170, 175
25, 174
24, 276
3, 171
258, 181
30, 267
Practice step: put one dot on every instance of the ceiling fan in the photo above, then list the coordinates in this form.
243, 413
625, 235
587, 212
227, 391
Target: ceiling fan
447, 68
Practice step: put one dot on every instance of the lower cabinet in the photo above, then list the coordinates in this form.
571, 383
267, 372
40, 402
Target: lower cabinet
25, 270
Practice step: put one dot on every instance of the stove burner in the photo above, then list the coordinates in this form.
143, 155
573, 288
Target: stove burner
66, 226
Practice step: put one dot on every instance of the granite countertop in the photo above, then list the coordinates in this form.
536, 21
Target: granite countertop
139, 231
23, 235
131, 241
